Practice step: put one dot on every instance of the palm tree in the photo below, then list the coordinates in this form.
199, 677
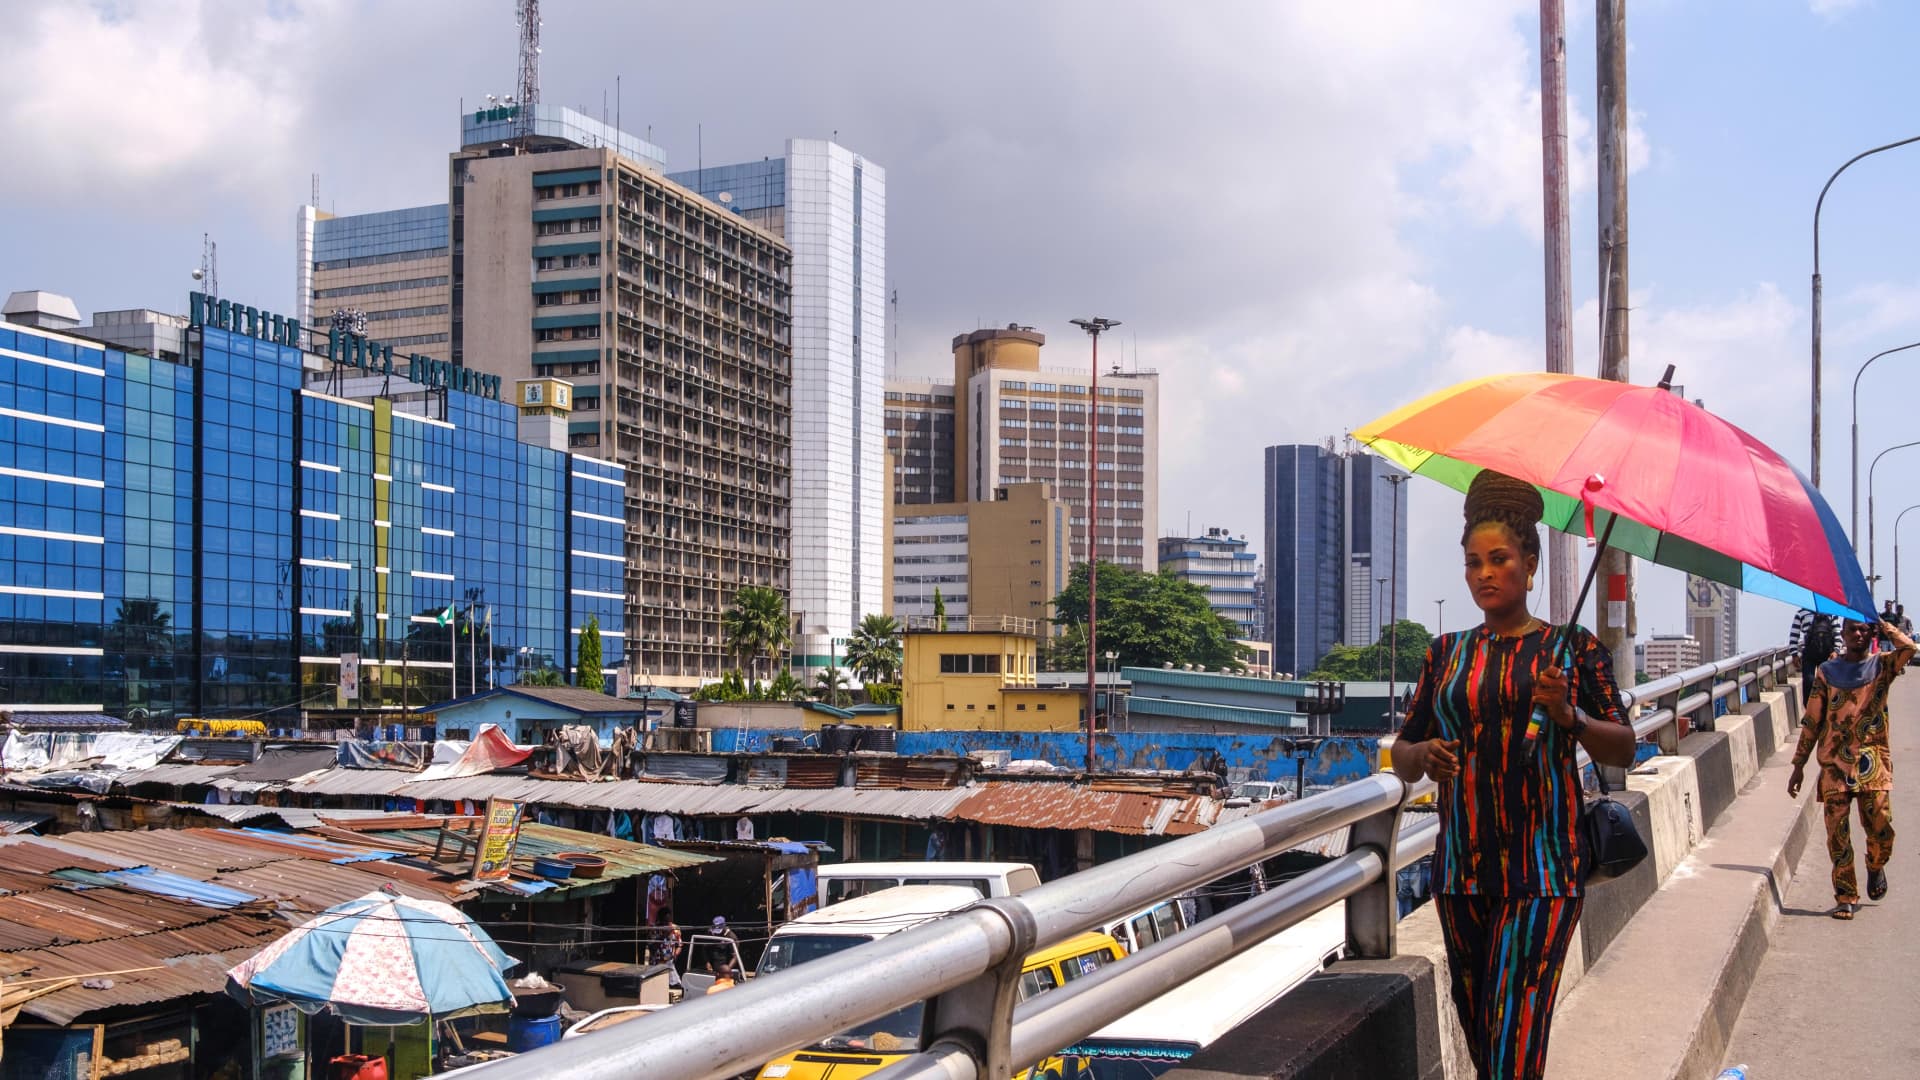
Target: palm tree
784, 687
874, 652
831, 687
756, 626
545, 676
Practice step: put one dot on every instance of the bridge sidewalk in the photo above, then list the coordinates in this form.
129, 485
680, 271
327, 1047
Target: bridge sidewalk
1834, 998
1663, 999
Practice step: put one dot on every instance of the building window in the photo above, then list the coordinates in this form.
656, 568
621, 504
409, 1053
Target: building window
1042, 707
1021, 707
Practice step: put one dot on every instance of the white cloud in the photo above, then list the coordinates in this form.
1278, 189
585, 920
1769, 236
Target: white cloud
135, 102
1833, 9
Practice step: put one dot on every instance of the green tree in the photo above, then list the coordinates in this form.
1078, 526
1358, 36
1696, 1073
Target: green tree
874, 651
1368, 663
784, 687
756, 626
545, 676
939, 610
831, 687
587, 669
1149, 619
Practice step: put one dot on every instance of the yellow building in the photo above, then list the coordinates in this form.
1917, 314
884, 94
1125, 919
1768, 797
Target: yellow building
1005, 556
977, 673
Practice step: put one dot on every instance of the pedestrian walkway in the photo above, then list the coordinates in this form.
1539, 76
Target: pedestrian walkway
1835, 998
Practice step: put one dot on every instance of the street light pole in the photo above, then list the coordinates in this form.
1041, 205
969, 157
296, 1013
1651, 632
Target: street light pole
1854, 499
1872, 578
1094, 327
1817, 205
1896, 550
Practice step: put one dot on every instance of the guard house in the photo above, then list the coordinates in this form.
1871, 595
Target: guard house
978, 673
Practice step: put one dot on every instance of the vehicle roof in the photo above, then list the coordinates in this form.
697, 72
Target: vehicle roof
884, 912
1077, 945
921, 869
1207, 1006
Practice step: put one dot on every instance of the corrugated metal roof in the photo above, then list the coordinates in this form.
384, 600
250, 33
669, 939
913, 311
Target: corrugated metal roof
1215, 713
178, 976
1041, 805
280, 763
176, 774
19, 821
294, 817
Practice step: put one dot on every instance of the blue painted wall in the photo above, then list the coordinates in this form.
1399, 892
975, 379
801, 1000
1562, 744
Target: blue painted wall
1339, 760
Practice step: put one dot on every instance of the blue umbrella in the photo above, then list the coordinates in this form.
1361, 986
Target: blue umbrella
381, 959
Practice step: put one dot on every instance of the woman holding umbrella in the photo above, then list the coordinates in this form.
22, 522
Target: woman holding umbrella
1507, 870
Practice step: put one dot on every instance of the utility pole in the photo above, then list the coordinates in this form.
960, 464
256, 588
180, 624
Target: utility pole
1562, 558
1613, 609
1094, 327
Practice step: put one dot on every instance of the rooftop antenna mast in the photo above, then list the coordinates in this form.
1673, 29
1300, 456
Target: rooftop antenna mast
529, 85
209, 272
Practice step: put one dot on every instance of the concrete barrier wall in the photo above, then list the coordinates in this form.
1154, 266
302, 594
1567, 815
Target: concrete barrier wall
1674, 799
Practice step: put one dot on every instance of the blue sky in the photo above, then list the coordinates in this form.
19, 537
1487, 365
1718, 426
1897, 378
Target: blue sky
1304, 212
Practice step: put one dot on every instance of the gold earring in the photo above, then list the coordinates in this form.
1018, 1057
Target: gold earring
1529, 582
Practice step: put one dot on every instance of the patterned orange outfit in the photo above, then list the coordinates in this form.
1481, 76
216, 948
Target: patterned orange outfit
1846, 725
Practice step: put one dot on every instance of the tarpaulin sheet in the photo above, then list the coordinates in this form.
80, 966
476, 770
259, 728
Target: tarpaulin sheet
120, 750
364, 754
490, 751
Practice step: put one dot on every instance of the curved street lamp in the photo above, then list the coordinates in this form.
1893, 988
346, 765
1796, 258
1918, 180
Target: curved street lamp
1871, 576
1896, 550
1818, 203
1854, 499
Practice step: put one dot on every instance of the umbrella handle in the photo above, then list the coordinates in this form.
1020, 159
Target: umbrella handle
1538, 721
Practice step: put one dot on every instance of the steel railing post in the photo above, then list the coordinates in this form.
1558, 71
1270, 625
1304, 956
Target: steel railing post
1373, 913
976, 1017
1668, 737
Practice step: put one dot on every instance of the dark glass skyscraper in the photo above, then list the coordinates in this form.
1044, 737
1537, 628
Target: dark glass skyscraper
1330, 532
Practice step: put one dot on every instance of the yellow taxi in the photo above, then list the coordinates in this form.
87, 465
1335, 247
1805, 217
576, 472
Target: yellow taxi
869, 1047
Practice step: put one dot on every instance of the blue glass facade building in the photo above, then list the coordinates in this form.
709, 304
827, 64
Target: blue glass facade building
210, 538
1330, 531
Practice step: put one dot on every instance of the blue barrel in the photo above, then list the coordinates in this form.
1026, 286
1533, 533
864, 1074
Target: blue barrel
530, 1033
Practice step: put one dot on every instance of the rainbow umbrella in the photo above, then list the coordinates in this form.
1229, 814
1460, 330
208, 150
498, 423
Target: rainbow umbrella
1679, 486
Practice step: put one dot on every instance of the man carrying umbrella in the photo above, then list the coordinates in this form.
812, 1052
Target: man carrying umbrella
1846, 723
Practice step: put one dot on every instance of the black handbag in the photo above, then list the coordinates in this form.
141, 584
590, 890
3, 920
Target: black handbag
1613, 844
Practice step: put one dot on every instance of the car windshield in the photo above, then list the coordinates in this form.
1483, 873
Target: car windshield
898, 1032
787, 950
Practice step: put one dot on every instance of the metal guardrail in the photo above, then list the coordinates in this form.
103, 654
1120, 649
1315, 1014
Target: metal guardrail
966, 965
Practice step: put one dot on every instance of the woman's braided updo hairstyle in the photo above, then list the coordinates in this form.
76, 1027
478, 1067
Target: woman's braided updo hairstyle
1500, 499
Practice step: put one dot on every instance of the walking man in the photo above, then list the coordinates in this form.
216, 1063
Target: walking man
1846, 724
1812, 637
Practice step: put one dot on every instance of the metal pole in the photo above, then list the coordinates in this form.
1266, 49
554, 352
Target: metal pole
1093, 326
1610, 42
1393, 603
1439, 617
1854, 499
1896, 549
1562, 558
1873, 578
1817, 204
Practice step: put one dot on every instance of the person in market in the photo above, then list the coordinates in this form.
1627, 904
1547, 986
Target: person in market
1508, 868
719, 954
1814, 641
1846, 726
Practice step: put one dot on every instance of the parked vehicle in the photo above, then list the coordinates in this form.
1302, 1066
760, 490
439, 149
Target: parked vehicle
1164, 1033
844, 881
607, 1018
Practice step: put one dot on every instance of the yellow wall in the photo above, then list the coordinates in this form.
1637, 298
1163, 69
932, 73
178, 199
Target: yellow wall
936, 699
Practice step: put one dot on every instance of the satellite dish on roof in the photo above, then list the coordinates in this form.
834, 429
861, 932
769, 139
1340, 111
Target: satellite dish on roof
725, 198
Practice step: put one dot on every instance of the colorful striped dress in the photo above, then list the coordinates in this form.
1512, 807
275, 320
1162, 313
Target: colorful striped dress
1508, 869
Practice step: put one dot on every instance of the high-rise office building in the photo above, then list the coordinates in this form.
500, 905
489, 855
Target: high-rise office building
920, 440
1336, 543
1670, 654
1219, 562
385, 273
1016, 422
830, 206
574, 258
1713, 618
219, 533
1004, 556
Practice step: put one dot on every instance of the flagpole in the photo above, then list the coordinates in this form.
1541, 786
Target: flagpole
453, 649
473, 644
489, 646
